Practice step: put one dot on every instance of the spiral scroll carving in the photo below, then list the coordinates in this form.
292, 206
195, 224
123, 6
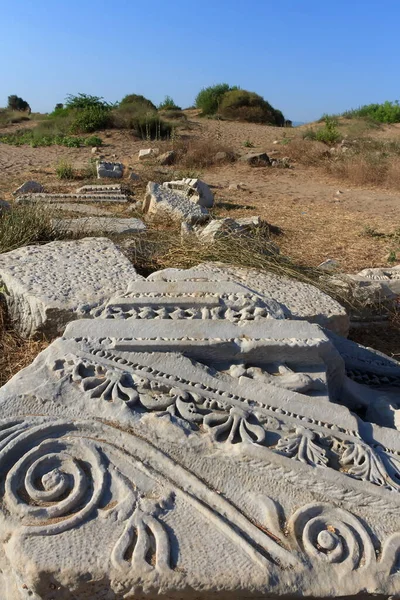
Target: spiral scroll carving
332, 535
55, 484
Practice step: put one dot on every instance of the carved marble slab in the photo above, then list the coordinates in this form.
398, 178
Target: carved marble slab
174, 458
47, 286
300, 300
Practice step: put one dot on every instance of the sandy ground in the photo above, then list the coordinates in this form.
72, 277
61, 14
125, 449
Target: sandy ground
317, 221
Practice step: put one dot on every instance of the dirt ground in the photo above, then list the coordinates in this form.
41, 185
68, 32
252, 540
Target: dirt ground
318, 222
320, 216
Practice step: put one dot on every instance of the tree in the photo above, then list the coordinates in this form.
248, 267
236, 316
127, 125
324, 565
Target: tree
17, 103
209, 99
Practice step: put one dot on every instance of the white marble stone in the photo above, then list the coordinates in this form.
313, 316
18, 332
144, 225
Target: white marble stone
87, 197
194, 189
301, 301
109, 169
161, 201
47, 286
172, 459
101, 225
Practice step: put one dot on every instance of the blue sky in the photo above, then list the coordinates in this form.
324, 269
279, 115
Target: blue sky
306, 57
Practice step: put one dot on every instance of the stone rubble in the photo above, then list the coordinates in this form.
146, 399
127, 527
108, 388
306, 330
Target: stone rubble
256, 159
166, 159
161, 201
148, 153
87, 197
29, 187
109, 169
194, 189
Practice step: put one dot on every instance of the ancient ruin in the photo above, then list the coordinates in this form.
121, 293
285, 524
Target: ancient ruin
191, 439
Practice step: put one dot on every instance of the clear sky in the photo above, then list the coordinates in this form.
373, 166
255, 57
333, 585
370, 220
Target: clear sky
306, 57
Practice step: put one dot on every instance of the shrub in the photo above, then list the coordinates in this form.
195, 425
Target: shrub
242, 105
328, 134
151, 127
93, 141
209, 99
85, 101
201, 153
137, 102
93, 118
387, 112
64, 170
17, 103
173, 114
168, 104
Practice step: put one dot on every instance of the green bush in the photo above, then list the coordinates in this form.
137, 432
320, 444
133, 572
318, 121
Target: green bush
387, 112
209, 99
328, 134
91, 119
241, 105
17, 103
84, 102
93, 141
168, 104
64, 170
137, 102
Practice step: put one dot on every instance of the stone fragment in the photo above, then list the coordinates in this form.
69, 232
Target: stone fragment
109, 169
155, 299
330, 264
167, 158
4, 206
196, 190
29, 187
134, 176
301, 301
81, 208
48, 286
101, 225
256, 159
222, 228
100, 189
172, 458
388, 277
236, 186
160, 200
88, 197
148, 153
221, 157
94, 150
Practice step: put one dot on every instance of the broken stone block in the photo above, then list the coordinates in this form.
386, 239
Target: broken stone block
167, 158
113, 189
160, 200
330, 264
47, 286
168, 458
388, 277
196, 190
301, 301
29, 187
257, 159
109, 169
222, 228
101, 225
72, 207
87, 197
148, 153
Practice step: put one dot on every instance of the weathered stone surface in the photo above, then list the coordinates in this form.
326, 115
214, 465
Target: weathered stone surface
301, 301
167, 158
81, 208
109, 169
194, 189
148, 153
113, 189
89, 197
330, 264
173, 459
388, 278
101, 225
157, 299
256, 159
220, 228
160, 200
29, 187
48, 286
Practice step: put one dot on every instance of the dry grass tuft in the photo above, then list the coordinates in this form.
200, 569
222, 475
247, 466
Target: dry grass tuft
15, 352
202, 153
